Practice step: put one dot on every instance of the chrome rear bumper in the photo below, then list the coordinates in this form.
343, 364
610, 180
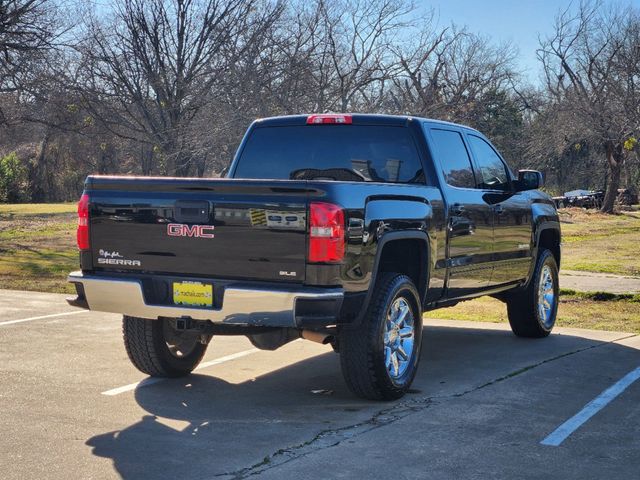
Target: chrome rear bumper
241, 305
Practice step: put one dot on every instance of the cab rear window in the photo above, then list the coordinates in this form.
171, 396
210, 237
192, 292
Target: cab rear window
331, 152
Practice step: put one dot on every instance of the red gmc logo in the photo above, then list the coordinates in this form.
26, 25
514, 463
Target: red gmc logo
182, 230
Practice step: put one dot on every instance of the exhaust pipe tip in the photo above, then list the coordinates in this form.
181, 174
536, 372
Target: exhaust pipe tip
318, 337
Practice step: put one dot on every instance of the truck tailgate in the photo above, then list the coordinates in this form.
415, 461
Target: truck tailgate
237, 229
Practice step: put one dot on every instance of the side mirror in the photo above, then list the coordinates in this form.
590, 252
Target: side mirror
223, 173
529, 180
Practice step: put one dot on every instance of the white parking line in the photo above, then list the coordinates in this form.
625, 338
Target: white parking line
151, 380
11, 322
560, 434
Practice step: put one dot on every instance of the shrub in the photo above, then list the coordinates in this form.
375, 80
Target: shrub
14, 181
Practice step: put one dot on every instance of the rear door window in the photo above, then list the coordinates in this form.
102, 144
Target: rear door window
454, 158
331, 152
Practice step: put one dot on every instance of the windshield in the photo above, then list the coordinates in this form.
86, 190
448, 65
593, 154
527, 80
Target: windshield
354, 153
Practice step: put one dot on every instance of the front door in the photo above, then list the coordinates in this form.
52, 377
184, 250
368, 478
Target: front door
511, 214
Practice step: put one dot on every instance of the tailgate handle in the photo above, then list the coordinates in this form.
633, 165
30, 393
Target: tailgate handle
191, 211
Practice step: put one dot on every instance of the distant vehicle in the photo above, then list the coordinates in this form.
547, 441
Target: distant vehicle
580, 198
340, 229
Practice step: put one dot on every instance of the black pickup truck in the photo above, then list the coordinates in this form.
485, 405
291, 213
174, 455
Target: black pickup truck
341, 229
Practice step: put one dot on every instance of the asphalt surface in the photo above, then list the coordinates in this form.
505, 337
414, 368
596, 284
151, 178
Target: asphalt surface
483, 402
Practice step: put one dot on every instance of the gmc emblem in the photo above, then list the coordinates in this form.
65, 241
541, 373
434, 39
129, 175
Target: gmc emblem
182, 230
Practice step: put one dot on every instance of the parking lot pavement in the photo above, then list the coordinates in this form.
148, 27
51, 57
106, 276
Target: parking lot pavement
482, 404
18, 306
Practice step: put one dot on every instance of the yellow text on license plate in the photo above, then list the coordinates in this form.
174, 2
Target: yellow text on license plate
193, 293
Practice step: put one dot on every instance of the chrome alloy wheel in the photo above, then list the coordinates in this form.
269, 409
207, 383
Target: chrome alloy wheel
180, 343
398, 338
546, 297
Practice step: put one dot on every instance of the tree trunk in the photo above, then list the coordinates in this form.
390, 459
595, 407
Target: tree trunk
182, 165
146, 160
344, 104
38, 172
614, 163
201, 165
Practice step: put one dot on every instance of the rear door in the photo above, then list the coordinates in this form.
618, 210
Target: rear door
511, 210
470, 227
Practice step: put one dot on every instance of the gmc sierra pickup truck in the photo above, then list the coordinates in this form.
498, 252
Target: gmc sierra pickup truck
340, 229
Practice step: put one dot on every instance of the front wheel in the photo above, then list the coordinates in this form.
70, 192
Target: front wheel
379, 358
159, 349
532, 312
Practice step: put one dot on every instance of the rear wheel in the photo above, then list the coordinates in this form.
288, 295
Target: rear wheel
379, 359
532, 312
159, 349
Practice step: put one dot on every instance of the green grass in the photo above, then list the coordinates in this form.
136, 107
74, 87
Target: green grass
24, 231
576, 311
37, 269
13, 209
37, 246
601, 296
595, 242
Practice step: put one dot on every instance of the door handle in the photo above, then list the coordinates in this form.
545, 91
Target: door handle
457, 209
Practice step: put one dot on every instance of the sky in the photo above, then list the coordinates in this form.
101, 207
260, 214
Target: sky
514, 21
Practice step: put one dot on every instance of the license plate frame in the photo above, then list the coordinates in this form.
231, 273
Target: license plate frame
192, 294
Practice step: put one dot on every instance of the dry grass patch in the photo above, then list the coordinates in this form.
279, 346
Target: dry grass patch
596, 242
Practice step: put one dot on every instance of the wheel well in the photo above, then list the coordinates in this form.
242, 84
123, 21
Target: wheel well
550, 239
409, 257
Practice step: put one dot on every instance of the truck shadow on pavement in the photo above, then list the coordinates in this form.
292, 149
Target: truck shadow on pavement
203, 427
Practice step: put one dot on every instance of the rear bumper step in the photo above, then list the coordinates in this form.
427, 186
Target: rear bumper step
241, 305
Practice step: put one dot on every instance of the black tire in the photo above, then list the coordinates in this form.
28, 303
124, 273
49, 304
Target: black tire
362, 348
523, 307
148, 350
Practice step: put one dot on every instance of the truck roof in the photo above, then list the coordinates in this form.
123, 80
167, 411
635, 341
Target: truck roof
358, 119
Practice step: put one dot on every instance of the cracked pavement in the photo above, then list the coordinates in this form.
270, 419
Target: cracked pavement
482, 402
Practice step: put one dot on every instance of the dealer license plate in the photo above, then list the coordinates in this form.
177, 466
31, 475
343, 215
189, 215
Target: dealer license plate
193, 293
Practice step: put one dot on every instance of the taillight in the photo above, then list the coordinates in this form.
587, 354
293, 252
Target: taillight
329, 118
326, 232
83, 222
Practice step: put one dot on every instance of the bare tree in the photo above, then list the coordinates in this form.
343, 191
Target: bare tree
28, 29
298, 61
627, 86
451, 74
169, 86
581, 67
356, 55
446, 73
147, 74
317, 56
29, 32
